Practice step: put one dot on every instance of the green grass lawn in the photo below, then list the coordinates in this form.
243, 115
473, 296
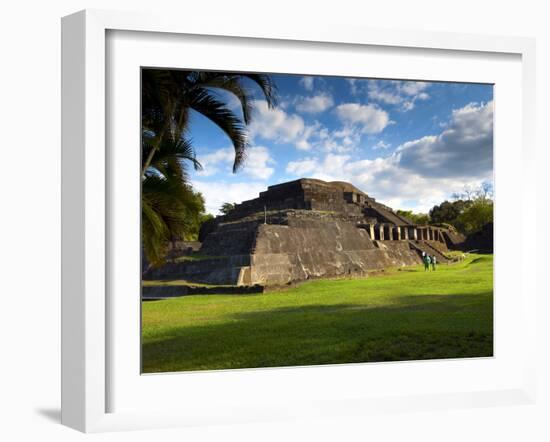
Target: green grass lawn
405, 314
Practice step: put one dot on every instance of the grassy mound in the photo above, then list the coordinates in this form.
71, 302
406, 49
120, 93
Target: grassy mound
403, 315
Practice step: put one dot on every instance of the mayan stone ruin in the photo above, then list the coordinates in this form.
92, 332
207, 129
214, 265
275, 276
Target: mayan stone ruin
301, 230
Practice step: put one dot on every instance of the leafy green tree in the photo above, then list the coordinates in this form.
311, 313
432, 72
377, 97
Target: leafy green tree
170, 207
476, 215
447, 211
416, 218
227, 207
469, 212
193, 234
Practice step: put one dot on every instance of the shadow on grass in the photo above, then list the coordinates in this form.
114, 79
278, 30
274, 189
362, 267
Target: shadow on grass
411, 328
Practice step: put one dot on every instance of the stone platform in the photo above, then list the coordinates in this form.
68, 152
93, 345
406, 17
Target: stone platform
302, 230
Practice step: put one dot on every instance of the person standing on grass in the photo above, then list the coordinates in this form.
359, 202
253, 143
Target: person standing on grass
434, 261
426, 260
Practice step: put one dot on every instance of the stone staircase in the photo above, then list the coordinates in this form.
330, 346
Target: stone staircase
423, 246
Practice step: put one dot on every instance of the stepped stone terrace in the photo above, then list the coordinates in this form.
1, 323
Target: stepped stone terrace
303, 229
337, 197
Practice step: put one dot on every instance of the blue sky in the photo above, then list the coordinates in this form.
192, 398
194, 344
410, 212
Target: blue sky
409, 144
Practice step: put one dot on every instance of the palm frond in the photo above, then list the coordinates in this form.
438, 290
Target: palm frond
234, 84
267, 86
204, 103
170, 210
172, 154
170, 207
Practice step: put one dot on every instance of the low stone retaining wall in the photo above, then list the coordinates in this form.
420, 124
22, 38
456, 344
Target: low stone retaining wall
222, 270
174, 291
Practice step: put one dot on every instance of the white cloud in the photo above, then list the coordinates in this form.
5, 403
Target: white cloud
353, 85
463, 148
212, 162
275, 124
335, 166
341, 140
302, 167
411, 87
219, 192
315, 104
407, 106
307, 83
282, 127
381, 178
384, 96
381, 145
370, 118
256, 163
397, 93
421, 173
304, 141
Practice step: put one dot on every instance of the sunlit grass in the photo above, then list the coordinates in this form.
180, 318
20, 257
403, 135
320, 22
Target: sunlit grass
402, 315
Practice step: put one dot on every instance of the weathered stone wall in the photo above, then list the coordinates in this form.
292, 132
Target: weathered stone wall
454, 241
322, 196
284, 253
303, 194
316, 195
282, 196
223, 270
239, 237
173, 291
231, 239
310, 245
311, 236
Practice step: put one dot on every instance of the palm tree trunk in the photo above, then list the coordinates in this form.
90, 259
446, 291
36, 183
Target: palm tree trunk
150, 158
153, 150
177, 133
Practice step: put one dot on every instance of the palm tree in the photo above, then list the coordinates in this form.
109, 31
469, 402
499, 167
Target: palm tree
169, 204
170, 207
170, 95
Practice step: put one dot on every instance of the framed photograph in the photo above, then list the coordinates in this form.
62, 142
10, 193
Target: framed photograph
271, 223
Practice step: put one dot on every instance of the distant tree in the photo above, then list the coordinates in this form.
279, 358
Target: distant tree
170, 211
476, 215
227, 207
197, 220
471, 209
447, 211
470, 193
416, 218
203, 218
206, 217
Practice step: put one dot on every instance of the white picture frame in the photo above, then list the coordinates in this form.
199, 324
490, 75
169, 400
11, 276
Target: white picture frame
86, 315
